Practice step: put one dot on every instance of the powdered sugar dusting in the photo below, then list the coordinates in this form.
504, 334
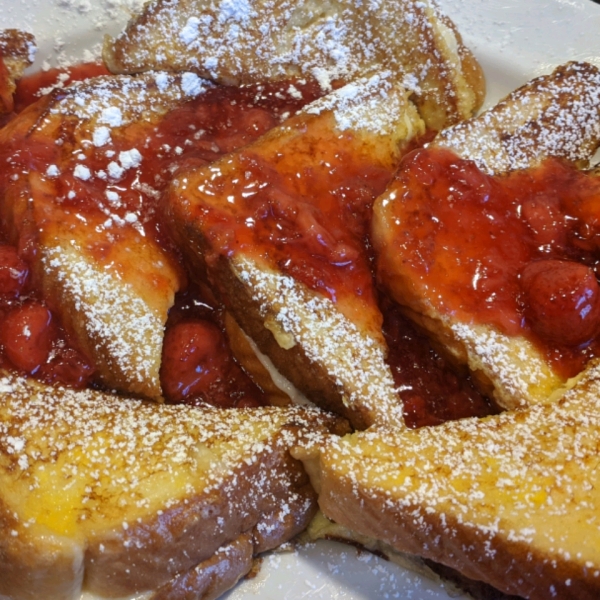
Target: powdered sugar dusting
127, 332
120, 101
519, 372
151, 437
555, 115
258, 40
120, 327
99, 473
354, 360
373, 104
484, 487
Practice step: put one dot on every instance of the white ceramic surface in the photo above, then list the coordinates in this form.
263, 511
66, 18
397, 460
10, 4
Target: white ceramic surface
514, 40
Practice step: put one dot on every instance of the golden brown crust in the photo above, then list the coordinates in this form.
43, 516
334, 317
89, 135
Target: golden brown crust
211, 578
290, 323
509, 500
123, 497
139, 558
552, 115
515, 568
17, 50
143, 277
308, 375
55, 567
337, 40
471, 69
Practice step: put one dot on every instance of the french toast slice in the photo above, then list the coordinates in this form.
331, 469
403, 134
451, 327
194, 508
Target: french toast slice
552, 116
333, 41
555, 115
511, 500
17, 51
119, 497
280, 226
74, 203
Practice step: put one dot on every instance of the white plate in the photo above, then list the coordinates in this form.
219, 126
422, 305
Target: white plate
514, 40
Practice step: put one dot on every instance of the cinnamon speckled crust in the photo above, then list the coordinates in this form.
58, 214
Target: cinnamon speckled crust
334, 352
114, 301
512, 500
121, 496
555, 115
335, 40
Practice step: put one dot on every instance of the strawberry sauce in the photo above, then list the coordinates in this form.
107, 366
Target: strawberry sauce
520, 251
326, 243
197, 363
33, 86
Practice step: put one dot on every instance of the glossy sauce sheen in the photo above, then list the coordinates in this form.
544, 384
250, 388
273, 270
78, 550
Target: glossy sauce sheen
222, 119
327, 245
431, 391
313, 223
518, 251
31, 338
301, 201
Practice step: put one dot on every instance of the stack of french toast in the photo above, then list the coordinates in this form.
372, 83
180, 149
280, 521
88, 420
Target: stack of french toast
217, 261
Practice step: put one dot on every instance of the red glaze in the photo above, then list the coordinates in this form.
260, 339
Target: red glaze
300, 201
562, 301
66, 366
221, 120
197, 133
13, 272
197, 367
218, 381
431, 391
466, 238
27, 336
194, 356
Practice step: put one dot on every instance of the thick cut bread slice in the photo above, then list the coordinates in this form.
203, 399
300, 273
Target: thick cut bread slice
280, 225
71, 204
552, 116
118, 496
512, 500
336, 40
17, 51
555, 115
